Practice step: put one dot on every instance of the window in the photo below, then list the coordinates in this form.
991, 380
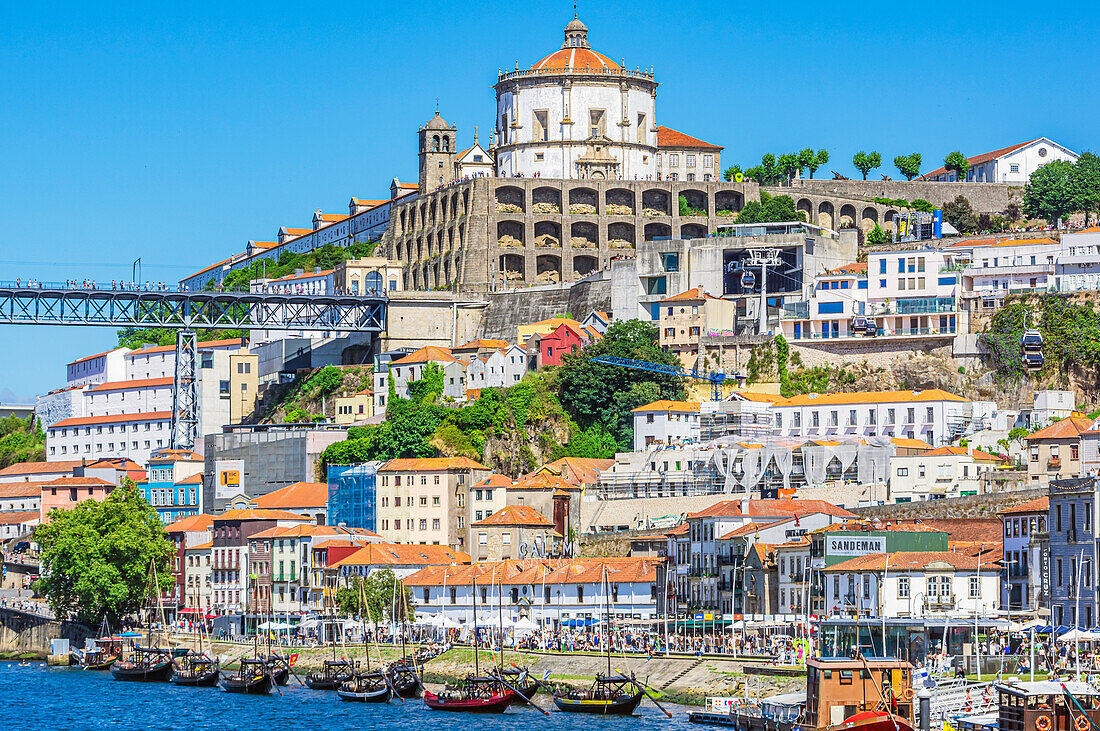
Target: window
482, 540
641, 128
903, 587
930, 414
903, 471
540, 131
596, 122
435, 523
881, 266
690, 160
671, 261
975, 587
1014, 168
673, 160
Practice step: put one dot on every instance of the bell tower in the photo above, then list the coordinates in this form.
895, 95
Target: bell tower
437, 153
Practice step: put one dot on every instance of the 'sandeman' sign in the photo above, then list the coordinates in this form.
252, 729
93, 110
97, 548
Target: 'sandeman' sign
841, 546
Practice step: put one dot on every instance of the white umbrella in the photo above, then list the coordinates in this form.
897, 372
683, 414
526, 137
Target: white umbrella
1079, 635
448, 623
524, 624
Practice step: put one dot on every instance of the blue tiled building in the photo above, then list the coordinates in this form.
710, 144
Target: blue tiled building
173, 484
1070, 563
352, 498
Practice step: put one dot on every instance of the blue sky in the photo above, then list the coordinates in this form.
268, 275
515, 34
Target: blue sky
176, 132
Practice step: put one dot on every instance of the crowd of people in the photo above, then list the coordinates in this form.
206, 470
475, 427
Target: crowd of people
117, 285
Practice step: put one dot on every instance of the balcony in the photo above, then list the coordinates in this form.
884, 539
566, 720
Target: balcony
941, 601
796, 311
922, 306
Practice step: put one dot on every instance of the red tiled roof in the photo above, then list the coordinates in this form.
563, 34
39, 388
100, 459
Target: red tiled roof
431, 464
671, 138
577, 470
175, 455
226, 343
396, 554
695, 293
18, 518
136, 383
1038, 505
1065, 429
259, 514
873, 397
79, 482
191, 523
113, 419
298, 495
90, 357
666, 405
33, 468
987, 530
20, 489
912, 560
535, 571
495, 480
983, 158
517, 515
859, 267
962, 452
427, 354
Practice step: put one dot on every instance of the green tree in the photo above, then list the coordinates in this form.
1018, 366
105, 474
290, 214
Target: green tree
375, 598
1052, 192
770, 209
21, 440
767, 172
597, 393
908, 165
1087, 184
96, 557
135, 337
730, 173
595, 442
430, 385
957, 161
811, 161
960, 214
877, 236
789, 164
865, 162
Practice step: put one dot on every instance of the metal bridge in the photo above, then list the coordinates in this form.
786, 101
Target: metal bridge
59, 304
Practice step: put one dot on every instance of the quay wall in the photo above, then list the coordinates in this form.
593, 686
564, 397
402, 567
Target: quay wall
30, 634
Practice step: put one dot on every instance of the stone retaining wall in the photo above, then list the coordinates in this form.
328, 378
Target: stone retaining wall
973, 506
984, 197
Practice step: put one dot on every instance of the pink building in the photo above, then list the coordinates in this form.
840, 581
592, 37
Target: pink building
68, 492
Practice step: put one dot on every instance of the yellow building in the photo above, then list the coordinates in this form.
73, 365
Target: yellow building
355, 407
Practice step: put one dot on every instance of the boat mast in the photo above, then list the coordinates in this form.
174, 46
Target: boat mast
473, 601
500, 614
607, 617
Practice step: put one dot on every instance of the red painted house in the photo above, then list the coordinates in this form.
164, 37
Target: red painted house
565, 338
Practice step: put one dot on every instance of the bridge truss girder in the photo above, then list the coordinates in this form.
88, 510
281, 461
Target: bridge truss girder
220, 310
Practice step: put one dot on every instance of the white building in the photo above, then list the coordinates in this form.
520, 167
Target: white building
934, 416
792, 560
665, 423
133, 435
499, 369
940, 473
411, 367
996, 268
1078, 264
914, 584
1012, 164
576, 114
551, 592
912, 293
126, 416
97, 368
1050, 406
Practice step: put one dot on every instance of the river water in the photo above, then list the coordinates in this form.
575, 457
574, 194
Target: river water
38, 698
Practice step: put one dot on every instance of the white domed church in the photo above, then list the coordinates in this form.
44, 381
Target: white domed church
576, 114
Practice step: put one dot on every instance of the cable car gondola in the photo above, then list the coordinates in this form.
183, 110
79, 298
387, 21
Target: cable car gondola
1031, 350
748, 279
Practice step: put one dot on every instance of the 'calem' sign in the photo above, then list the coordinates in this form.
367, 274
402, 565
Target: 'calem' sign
854, 546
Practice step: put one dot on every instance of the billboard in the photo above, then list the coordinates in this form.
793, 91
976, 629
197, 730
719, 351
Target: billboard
854, 546
228, 478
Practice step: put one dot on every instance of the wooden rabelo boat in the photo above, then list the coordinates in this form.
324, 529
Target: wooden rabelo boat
1048, 705
253, 677
279, 667
370, 687
148, 664
97, 659
518, 680
472, 694
860, 694
332, 675
610, 695
196, 669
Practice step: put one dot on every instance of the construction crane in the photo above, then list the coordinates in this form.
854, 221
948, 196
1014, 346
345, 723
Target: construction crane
716, 378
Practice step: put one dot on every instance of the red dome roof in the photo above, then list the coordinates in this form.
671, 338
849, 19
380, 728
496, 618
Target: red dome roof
576, 59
